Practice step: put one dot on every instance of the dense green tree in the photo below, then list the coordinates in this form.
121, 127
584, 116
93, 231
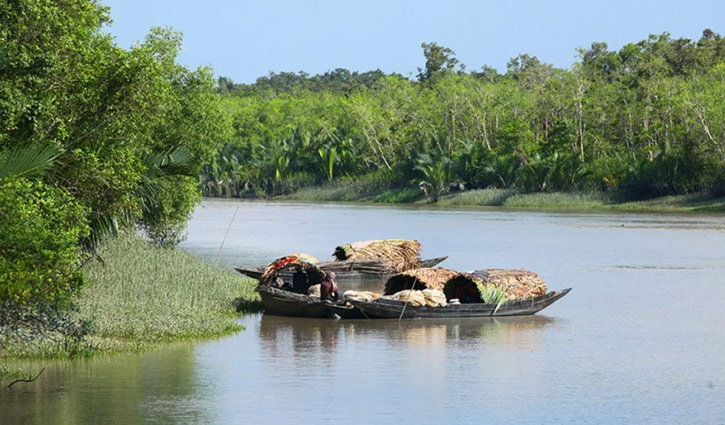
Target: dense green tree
118, 135
643, 121
439, 61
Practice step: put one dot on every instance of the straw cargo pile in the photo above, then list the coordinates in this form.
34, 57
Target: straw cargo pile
518, 284
315, 291
399, 254
434, 298
423, 278
360, 295
363, 266
426, 297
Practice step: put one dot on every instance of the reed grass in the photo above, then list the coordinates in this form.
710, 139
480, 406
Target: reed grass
370, 190
691, 202
139, 296
152, 294
337, 191
399, 196
558, 200
478, 197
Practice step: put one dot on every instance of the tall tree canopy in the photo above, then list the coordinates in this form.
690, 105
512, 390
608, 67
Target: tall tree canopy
643, 121
128, 129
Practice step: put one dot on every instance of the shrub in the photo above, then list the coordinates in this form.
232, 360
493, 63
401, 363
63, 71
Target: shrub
39, 232
168, 210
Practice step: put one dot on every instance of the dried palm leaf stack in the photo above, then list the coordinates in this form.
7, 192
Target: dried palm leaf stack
423, 278
398, 254
517, 284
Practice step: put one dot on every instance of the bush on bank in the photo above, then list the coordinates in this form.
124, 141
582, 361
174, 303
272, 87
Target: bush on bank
39, 253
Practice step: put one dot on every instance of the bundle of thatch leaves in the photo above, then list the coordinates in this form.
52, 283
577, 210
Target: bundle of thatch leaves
518, 284
479, 286
398, 254
423, 278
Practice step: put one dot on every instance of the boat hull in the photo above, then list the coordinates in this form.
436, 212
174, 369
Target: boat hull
285, 303
391, 309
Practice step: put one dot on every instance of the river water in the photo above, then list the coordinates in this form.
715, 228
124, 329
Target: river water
640, 339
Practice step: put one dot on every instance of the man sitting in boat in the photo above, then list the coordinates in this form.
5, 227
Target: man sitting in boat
300, 282
329, 290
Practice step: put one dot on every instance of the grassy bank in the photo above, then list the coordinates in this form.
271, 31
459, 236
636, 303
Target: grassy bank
140, 296
506, 198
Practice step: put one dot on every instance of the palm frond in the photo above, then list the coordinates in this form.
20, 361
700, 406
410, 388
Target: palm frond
176, 161
31, 160
103, 227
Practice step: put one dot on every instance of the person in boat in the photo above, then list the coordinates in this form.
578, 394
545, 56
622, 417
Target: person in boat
300, 281
328, 289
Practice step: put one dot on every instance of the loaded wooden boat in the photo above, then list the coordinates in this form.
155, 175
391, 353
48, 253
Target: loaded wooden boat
443, 293
284, 301
393, 309
365, 260
348, 270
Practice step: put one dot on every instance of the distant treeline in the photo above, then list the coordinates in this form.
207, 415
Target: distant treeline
644, 121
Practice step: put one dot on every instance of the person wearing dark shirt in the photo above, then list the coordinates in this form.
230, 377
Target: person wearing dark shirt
300, 283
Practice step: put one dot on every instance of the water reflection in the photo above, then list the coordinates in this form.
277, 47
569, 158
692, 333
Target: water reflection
153, 387
320, 338
640, 340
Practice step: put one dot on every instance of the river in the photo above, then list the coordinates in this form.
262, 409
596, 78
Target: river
640, 339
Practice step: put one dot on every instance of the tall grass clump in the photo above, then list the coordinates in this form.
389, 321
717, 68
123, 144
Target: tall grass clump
405, 195
152, 294
343, 190
141, 294
558, 200
479, 197
691, 202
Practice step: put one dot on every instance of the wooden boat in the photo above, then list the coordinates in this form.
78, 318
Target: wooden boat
350, 270
280, 302
391, 309
284, 302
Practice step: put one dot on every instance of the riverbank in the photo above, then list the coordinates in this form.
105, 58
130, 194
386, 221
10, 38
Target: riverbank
505, 198
139, 296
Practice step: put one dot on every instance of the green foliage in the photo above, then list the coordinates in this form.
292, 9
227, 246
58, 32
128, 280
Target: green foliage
27, 161
479, 197
97, 110
110, 138
551, 174
642, 121
398, 196
559, 200
151, 294
436, 175
39, 254
439, 60
143, 295
492, 294
167, 213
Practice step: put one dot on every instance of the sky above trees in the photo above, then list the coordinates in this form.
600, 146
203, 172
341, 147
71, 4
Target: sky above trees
244, 40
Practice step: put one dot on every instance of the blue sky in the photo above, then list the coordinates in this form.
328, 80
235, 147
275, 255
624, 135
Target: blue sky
244, 40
